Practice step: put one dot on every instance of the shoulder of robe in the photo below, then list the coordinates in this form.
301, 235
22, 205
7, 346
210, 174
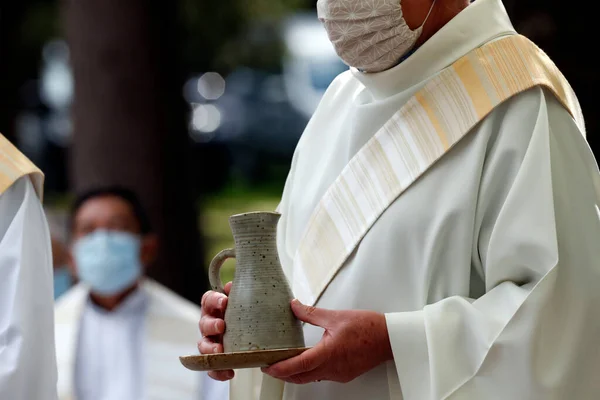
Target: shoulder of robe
14, 165
167, 302
339, 94
526, 111
341, 80
510, 128
521, 111
343, 84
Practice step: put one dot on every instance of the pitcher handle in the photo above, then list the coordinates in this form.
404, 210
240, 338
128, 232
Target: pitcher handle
214, 271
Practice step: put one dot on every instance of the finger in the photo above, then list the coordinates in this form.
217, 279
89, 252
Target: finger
313, 315
204, 296
305, 362
211, 326
228, 288
222, 375
208, 346
316, 375
214, 303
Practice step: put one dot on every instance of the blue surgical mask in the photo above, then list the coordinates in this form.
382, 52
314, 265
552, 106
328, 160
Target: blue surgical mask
108, 261
62, 281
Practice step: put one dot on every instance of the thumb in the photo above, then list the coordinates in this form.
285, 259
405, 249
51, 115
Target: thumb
313, 315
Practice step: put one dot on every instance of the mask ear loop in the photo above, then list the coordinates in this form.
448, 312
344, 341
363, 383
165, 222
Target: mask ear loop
428, 14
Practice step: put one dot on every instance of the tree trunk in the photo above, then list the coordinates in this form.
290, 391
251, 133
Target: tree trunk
129, 123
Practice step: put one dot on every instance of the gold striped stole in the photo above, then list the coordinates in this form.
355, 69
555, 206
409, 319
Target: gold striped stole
440, 114
14, 165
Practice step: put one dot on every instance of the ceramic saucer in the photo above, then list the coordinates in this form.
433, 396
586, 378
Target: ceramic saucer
239, 360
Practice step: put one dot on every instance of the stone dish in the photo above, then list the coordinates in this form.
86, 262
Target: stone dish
238, 360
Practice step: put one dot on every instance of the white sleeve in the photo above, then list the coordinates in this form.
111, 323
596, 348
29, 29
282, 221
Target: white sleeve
27, 352
535, 332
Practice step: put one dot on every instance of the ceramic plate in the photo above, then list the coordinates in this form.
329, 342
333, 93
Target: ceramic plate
241, 360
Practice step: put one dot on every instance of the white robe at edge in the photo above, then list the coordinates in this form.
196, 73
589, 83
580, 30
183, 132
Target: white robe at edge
27, 355
488, 267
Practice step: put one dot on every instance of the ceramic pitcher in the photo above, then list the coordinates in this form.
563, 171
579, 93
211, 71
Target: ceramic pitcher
258, 315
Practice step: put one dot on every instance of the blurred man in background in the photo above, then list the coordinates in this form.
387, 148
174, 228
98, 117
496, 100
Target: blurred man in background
119, 334
27, 358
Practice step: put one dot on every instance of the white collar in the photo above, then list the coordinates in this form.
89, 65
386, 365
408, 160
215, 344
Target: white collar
135, 303
479, 23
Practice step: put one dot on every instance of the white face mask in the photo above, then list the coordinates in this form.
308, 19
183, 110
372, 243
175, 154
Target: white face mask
370, 35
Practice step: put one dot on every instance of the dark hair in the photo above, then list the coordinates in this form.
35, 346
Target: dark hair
123, 193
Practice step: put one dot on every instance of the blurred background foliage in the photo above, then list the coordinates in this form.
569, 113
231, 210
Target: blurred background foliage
229, 33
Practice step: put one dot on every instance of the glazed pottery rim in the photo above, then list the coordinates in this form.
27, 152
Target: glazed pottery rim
253, 213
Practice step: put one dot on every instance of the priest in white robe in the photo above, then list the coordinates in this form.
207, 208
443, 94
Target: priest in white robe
468, 265
27, 357
119, 335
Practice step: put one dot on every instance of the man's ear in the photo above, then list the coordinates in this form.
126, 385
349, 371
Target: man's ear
149, 249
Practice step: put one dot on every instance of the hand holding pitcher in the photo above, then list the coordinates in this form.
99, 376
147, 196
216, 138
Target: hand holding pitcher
252, 314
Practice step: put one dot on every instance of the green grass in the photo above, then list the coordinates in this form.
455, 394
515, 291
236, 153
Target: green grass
215, 220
